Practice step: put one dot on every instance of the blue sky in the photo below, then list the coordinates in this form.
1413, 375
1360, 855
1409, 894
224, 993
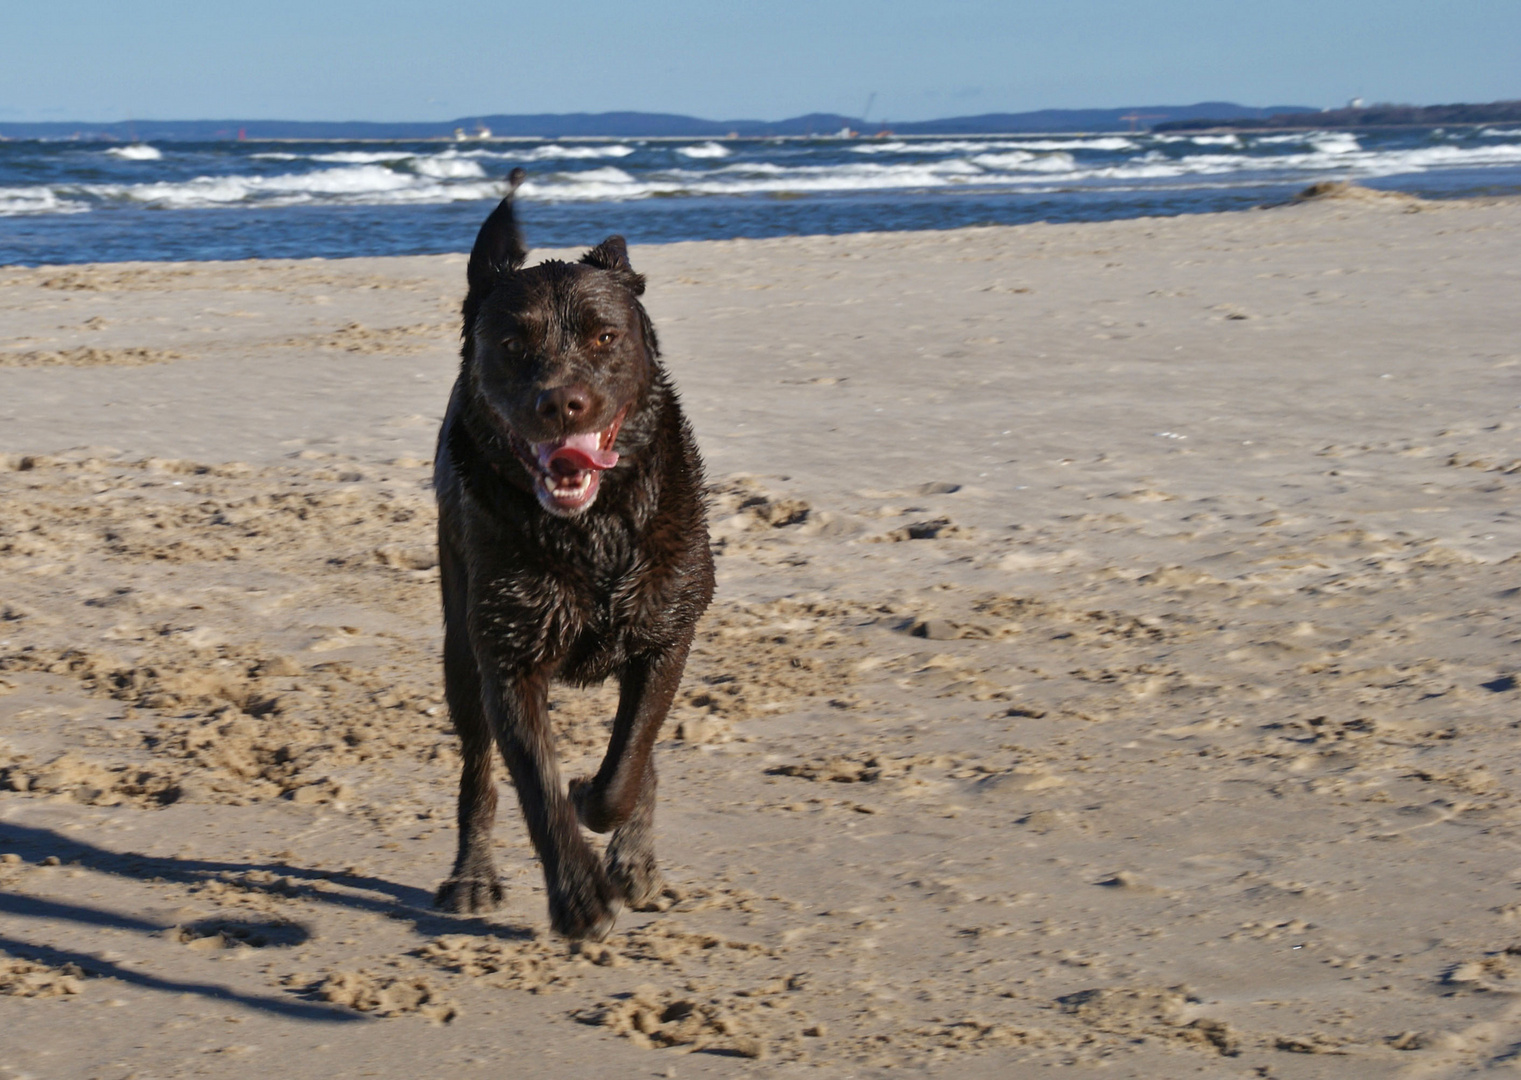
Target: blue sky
407, 60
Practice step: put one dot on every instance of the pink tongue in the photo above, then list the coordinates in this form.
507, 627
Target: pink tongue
576, 454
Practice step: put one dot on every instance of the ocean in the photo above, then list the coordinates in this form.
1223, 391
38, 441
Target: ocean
74, 201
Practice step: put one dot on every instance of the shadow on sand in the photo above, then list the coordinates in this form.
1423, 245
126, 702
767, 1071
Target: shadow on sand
400, 902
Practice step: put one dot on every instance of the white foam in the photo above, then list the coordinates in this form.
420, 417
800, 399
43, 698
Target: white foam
1388, 164
355, 180
606, 174
1020, 169
202, 191
1352, 162
1139, 169
37, 199
609, 183
560, 152
705, 150
448, 166
1103, 143
362, 157
591, 184
1217, 140
746, 168
1498, 133
955, 146
1330, 141
355, 184
1335, 142
137, 152
1024, 161
977, 146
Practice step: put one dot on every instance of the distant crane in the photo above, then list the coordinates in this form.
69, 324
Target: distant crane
867, 110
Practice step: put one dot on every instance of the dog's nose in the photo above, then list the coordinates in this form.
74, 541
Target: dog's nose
563, 404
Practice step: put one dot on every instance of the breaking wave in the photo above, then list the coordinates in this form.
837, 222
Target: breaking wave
561, 152
356, 185
706, 150
36, 200
136, 152
972, 146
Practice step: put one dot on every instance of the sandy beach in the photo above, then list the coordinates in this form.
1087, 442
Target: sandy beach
1114, 668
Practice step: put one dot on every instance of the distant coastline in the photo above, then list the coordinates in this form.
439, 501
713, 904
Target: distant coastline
642, 125
1222, 116
1355, 119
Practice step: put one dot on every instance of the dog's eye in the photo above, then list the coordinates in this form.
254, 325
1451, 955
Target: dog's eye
512, 346
607, 337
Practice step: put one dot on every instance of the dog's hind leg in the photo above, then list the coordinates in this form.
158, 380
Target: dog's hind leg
473, 885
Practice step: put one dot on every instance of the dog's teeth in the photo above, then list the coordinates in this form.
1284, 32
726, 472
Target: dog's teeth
568, 493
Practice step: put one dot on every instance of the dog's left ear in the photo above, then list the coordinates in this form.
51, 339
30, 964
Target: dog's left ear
612, 255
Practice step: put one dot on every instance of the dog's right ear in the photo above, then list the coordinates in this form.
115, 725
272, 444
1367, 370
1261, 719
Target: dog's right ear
499, 245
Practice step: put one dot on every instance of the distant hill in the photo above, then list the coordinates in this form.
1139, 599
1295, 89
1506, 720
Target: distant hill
1495, 112
1146, 117
624, 125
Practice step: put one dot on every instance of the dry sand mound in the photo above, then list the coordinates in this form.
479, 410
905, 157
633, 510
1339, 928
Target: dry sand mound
1344, 190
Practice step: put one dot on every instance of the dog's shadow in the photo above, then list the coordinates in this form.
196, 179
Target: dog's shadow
399, 902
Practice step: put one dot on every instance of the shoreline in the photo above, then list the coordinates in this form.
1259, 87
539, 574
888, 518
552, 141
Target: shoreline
1357, 190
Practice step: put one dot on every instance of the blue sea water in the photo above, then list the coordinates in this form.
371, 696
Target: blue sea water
68, 202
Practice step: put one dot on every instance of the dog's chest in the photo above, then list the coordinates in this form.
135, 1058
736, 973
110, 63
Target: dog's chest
602, 621
588, 600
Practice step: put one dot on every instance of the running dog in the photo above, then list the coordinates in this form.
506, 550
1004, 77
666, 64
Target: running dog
573, 546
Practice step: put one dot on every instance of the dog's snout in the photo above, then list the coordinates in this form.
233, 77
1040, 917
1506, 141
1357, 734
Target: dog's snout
564, 404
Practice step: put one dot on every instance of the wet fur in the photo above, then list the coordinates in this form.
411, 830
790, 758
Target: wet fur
533, 597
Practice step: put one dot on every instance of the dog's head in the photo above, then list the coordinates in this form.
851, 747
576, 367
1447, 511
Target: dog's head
558, 355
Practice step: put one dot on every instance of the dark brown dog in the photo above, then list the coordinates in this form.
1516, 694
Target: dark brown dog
573, 545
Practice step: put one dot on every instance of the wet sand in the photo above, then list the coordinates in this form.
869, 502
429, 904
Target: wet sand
1114, 667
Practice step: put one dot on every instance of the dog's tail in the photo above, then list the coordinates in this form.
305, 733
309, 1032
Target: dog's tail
499, 246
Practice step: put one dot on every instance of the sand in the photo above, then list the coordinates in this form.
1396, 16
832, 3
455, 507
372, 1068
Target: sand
1114, 667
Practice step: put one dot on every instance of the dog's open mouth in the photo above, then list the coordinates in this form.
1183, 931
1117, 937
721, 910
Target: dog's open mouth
567, 472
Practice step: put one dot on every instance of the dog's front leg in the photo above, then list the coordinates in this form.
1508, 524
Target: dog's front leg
582, 902
473, 885
621, 797
631, 851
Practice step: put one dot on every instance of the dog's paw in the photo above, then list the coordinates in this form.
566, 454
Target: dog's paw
465, 896
585, 905
635, 875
